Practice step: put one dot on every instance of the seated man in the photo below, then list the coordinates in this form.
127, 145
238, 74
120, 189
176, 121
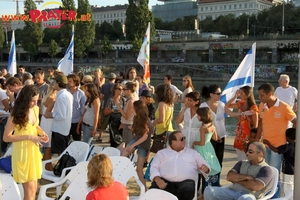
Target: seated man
176, 168
250, 179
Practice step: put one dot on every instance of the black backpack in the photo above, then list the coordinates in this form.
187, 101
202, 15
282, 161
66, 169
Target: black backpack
65, 161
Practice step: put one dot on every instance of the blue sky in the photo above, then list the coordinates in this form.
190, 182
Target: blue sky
9, 6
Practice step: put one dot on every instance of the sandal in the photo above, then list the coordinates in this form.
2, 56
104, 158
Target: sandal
99, 140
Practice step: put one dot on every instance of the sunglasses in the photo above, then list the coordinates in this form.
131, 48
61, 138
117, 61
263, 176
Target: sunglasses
217, 93
125, 89
182, 139
184, 80
118, 88
87, 81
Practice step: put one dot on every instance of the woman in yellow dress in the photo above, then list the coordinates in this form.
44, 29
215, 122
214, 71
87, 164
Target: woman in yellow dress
27, 138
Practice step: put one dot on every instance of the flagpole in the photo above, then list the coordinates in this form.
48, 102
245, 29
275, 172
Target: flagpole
12, 61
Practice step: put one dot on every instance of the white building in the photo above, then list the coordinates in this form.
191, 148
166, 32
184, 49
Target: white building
215, 8
109, 13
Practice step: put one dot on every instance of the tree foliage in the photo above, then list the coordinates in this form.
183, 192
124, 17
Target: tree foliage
106, 46
66, 29
112, 31
137, 17
2, 37
53, 49
32, 33
136, 45
85, 26
51, 34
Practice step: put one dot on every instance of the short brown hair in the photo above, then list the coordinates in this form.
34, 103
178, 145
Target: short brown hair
13, 80
205, 114
75, 78
100, 171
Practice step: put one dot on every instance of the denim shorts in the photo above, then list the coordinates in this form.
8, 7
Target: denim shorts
140, 151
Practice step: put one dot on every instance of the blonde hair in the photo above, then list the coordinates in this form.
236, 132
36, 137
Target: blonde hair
100, 171
99, 70
49, 91
87, 78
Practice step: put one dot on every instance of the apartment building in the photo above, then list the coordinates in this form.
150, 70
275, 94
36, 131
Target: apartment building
109, 13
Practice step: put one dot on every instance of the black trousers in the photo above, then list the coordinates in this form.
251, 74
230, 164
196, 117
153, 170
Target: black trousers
75, 136
184, 190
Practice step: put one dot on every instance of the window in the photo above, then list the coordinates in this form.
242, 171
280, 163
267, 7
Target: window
229, 7
216, 7
234, 6
221, 8
211, 8
240, 6
202, 9
246, 5
224, 7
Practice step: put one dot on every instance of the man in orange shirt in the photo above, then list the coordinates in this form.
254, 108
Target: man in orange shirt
274, 117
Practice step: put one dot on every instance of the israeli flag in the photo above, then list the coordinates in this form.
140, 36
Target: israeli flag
244, 75
12, 61
65, 65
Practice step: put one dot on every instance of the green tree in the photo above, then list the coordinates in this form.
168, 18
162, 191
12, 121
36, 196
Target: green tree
136, 45
105, 29
79, 49
51, 34
2, 38
18, 36
106, 46
85, 26
53, 49
137, 17
66, 29
32, 32
117, 30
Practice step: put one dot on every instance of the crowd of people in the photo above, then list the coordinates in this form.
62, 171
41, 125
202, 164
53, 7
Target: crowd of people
54, 110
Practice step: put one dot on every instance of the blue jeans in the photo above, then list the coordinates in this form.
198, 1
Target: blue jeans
219, 193
87, 132
273, 159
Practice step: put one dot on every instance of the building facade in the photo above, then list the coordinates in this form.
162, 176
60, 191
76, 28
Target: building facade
109, 13
215, 8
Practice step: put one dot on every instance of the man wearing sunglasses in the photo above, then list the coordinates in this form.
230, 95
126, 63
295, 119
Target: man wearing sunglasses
175, 169
251, 179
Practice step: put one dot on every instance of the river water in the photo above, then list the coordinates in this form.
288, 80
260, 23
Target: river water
230, 122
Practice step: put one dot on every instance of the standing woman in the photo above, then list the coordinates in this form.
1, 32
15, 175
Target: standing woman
112, 110
90, 116
164, 112
131, 77
187, 84
141, 140
99, 80
245, 123
188, 115
142, 85
46, 123
127, 112
27, 138
212, 95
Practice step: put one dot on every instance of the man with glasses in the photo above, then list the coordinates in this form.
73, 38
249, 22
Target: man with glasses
175, 169
251, 178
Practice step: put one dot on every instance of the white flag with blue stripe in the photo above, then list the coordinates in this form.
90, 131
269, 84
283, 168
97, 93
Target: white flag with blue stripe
65, 65
12, 61
244, 75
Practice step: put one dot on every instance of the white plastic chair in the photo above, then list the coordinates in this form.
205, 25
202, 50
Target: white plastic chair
80, 168
273, 189
78, 189
8, 188
287, 197
155, 194
79, 150
133, 157
111, 151
94, 150
123, 170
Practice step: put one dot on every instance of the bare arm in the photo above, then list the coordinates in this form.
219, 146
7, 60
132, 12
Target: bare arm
180, 116
254, 119
96, 104
162, 113
235, 177
270, 145
230, 103
294, 121
203, 130
5, 104
129, 110
259, 129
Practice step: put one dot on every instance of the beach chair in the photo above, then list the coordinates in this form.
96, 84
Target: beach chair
80, 168
153, 194
9, 189
272, 189
123, 170
78, 150
111, 151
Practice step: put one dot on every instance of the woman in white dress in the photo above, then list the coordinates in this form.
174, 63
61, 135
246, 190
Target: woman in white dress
46, 123
188, 115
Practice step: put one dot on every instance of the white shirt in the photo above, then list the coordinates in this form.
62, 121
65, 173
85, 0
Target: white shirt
287, 95
62, 112
3, 96
218, 118
177, 166
175, 90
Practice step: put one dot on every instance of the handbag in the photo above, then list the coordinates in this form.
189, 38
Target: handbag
159, 141
5, 164
147, 173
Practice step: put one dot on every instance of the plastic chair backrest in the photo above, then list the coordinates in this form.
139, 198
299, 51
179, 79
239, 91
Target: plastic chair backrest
94, 150
158, 194
79, 150
80, 168
123, 170
111, 151
8, 188
78, 189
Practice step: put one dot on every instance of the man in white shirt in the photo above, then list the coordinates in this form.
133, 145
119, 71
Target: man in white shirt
285, 92
168, 80
62, 115
175, 169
